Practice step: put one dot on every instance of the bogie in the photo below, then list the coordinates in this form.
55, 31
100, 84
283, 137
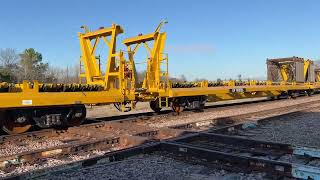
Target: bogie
21, 120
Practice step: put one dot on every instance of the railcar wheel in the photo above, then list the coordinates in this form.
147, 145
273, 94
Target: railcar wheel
154, 105
176, 106
12, 128
16, 122
77, 115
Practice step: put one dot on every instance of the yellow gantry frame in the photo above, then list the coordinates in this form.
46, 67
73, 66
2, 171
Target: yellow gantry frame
153, 80
115, 61
119, 75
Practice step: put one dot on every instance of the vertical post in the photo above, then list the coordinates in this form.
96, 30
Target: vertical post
167, 102
99, 63
160, 105
167, 73
80, 64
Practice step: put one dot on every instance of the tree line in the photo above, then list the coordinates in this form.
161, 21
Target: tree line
29, 65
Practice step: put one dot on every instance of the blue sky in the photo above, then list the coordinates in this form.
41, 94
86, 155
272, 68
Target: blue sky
205, 39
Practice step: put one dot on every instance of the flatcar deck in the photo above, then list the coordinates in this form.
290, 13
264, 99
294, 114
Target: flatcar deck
245, 90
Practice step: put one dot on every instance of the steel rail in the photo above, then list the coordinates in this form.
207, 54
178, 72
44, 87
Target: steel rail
246, 155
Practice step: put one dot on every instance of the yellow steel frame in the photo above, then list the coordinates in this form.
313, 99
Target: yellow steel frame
93, 73
306, 67
284, 72
155, 80
119, 75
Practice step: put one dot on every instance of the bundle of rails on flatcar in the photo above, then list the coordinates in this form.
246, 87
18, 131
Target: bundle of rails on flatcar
51, 105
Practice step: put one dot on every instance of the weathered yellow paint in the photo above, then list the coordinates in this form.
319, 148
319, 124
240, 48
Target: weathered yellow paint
306, 66
284, 72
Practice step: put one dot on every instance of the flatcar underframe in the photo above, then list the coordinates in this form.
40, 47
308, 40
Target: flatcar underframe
196, 97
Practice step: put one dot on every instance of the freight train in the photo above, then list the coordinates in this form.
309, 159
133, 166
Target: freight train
53, 105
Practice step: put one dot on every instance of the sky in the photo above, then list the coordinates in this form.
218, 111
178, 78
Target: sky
205, 38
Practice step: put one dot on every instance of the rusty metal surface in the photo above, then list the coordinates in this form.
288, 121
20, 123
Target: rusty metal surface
295, 69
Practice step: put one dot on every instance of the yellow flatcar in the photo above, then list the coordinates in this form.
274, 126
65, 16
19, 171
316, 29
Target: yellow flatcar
49, 105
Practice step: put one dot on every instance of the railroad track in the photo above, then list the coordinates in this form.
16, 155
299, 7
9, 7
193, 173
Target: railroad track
246, 155
115, 139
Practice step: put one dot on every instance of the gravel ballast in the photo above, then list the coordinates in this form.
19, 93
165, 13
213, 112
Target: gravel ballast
301, 129
212, 114
11, 148
150, 167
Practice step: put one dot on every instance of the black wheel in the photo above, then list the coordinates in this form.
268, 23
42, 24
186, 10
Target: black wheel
154, 105
309, 92
176, 106
16, 121
77, 115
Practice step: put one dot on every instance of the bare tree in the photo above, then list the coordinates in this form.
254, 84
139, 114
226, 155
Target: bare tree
140, 75
317, 64
8, 65
183, 78
8, 57
64, 75
219, 81
200, 79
